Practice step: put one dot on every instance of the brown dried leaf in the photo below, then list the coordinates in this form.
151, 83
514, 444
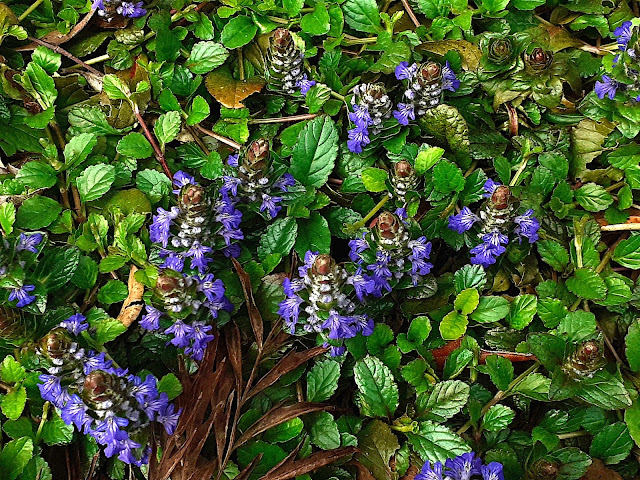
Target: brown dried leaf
57, 38
278, 415
470, 53
229, 91
234, 353
254, 313
244, 474
290, 362
598, 471
291, 468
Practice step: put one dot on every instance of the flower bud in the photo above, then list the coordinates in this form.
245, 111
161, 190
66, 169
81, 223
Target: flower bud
538, 60
501, 198
429, 73
586, 360
282, 40
191, 195
323, 265
544, 470
403, 178
500, 50
55, 344
97, 387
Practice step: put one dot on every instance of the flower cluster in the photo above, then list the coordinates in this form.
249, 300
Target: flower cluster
608, 86
254, 181
425, 84
316, 302
102, 400
464, 467
181, 305
16, 252
190, 228
371, 106
387, 255
285, 65
126, 9
495, 220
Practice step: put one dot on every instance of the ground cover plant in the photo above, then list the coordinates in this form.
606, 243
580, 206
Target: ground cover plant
319, 240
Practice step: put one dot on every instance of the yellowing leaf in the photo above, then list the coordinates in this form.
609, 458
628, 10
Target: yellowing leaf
229, 91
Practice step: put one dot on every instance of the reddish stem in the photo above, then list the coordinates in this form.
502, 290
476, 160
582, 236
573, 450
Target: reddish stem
156, 148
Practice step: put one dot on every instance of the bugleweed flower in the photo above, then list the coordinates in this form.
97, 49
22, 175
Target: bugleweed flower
126, 9
253, 181
387, 254
101, 400
464, 467
285, 66
623, 34
425, 84
21, 294
371, 107
495, 222
75, 324
607, 87
403, 179
318, 301
305, 85
29, 242
538, 61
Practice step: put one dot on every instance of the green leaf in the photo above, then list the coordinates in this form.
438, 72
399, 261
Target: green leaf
377, 391
627, 252
315, 153
419, 330
170, 385
577, 326
377, 444
491, 309
522, 310
447, 177
500, 370
90, 120
605, 390
284, 432
535, 386
167, 127
612, 444
238, 32
497, 418
154, 184
469, 276
593, 197
625, 156
316, 22
57, 267
13, 403
587, 284
198, 111
324, 431
632, 342
205, 56
436, 443
56, 432
134, 145
322, 380
527, 4
374, 179
467, 301
113, 291
78, 149
362, 15
632, 419
37, 212
7, 217
554, 254
573, 463
115, 88
11, 371
14, 457
313, 234
271, 456
428, 158
453, 325
47, 59
86, 274
95, 181
37, 175
445, 400
279, 237
293, 7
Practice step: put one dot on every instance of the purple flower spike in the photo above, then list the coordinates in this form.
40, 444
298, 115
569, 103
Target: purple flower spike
430, 472
358, 138
528, 226
75, 324
493, 471
131, 10
449, 80
305, 85
464, 466
623, 34
180, 179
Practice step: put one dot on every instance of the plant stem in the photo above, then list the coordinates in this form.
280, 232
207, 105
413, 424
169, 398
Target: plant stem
294, 118
62, 51
521, 168
240, 64
220, 138
28, 11
43, 420
358, 225
409, 11
336, 95
579, 433
618, 227
154, 144
611, 188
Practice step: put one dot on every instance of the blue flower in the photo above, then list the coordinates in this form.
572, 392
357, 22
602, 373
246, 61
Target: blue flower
151, 319
404, 113
528, 226
75, 411
95, 361
22, 295
430, 472
131, 10
230, 185
340, 326
50, 388
362, 285
358, 138
360, 115
291, 287
309, 258
489, 187
449, 80
232, 160
381, 274
75, 324
284, 182
485, 254
406, 72
174, 261
269, 203
180, 179
198, 255
493, 471
464, 466
213, 289
305, 85
336, 351
608, 86
29, 242
142, 390
463, 221
181, 333
420, 248
169, 418
159, 230
364, 325
97, 5
357, 246
496, 240
289, 310
108, 433
623, 33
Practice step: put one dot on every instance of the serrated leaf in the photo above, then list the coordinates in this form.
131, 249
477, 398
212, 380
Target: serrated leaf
612, 444
445, 400
627, 252
374, 179
315, 153
205, 56
453, 325
279, 237
500, 370
377, 390
497, 418
322, 380
467, 301
436, 443
362, 15
95, 181
554, 254
522, 310
490, 309
587, 284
